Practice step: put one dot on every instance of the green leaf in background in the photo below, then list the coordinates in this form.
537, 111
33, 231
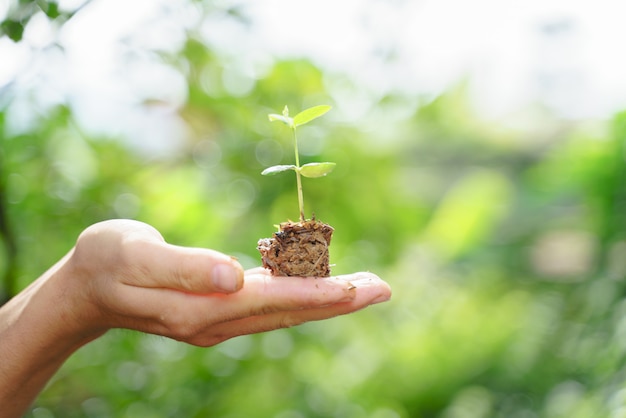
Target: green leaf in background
313, 170
270, 171
51, 9
13, 29
309, 114
467, 212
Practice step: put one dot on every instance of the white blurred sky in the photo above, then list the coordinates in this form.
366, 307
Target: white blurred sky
566, 55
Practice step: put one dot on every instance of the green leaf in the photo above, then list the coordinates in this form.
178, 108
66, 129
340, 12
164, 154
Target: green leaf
270, 171
313, 170
284, 119
309, 114
52, 10
13, 29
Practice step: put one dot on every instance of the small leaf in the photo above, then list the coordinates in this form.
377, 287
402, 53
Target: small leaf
270, 171
13, 29
284, 119
309, 114
50, 8
313, 170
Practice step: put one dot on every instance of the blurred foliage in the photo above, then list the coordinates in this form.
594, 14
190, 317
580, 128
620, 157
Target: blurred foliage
506, 252
22, 11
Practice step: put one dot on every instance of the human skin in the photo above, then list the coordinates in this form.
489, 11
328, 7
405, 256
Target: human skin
122, 274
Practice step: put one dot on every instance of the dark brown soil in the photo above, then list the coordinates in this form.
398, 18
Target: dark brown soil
298, 249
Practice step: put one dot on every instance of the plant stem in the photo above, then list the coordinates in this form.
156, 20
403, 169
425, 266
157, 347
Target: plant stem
298, 177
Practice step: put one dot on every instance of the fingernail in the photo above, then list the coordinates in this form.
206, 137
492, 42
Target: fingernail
225, 278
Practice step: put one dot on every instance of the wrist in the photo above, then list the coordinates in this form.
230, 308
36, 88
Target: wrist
65, 291
39, 330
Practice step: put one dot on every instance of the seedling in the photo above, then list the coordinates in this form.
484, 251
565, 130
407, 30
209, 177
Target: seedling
298, 248
311, 170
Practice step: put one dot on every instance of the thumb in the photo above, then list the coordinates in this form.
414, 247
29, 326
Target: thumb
158, 264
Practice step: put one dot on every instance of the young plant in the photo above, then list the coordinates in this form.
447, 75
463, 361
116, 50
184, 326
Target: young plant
311, 170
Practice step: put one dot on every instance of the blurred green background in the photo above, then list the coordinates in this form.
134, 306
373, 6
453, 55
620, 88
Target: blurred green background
505, 247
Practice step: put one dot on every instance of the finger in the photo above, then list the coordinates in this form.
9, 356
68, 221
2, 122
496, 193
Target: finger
157, 264
181, 315
369, 290
264, 293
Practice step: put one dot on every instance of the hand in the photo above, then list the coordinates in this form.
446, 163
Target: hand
127, 277
122, 274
